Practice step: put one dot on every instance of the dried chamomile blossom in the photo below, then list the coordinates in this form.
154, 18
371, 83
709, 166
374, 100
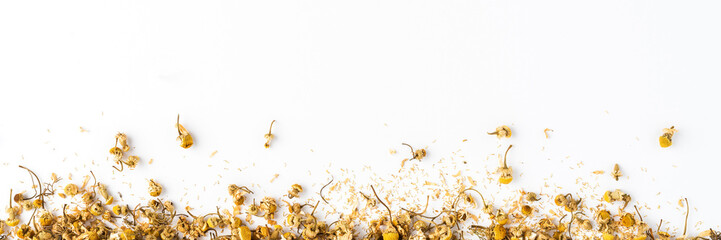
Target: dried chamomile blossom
183, 135
121, 210
238, 193
627, 220
532, 197
123, 140
617, 195
417, 154
132, 161
567, 201
616, 172
502, 132
295, 191
506, 172
154, 189
269, 136
169, 206
103, 191
268, 205
665, 139
71, 189
526, 210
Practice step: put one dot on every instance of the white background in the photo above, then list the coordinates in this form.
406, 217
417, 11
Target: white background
349, 80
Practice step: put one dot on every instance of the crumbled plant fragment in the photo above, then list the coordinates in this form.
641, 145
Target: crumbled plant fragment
502, 132
665, 139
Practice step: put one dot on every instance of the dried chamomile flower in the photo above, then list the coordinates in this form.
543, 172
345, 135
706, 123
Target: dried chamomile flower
526, 210
71, 189
238, 193
103, 190
154, 189
132, 161
603, 217
586, 224
502, 132
665, 139
183, 135
269, 136
295, 191
120, 210
616, 172
116, 152
96, 209
168, 205
567, 201
45, 218
417, 154
627, 220
617, 195
268, 205
123, 140
499, 232
532, 197
506, 172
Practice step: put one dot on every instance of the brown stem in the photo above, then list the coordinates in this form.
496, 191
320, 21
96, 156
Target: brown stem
685, 222
506, 155
177, 123
421, 213
413, 153
314, 207
271, 127
639, 214
321, 189
389, 209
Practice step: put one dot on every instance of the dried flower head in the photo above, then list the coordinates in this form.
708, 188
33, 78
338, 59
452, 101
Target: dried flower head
132, 161
295, 191
183, 135
502, 132
269, 136
417, 154
71, 189
665, 139
123, 140
506, 172
532, 197
616, 172
617, 195
154, 189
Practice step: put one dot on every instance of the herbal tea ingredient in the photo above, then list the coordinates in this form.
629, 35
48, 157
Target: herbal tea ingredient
186, 141
526, 217
349, 211
506, 172
118, 152
503, 132
665, 139
269, 136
